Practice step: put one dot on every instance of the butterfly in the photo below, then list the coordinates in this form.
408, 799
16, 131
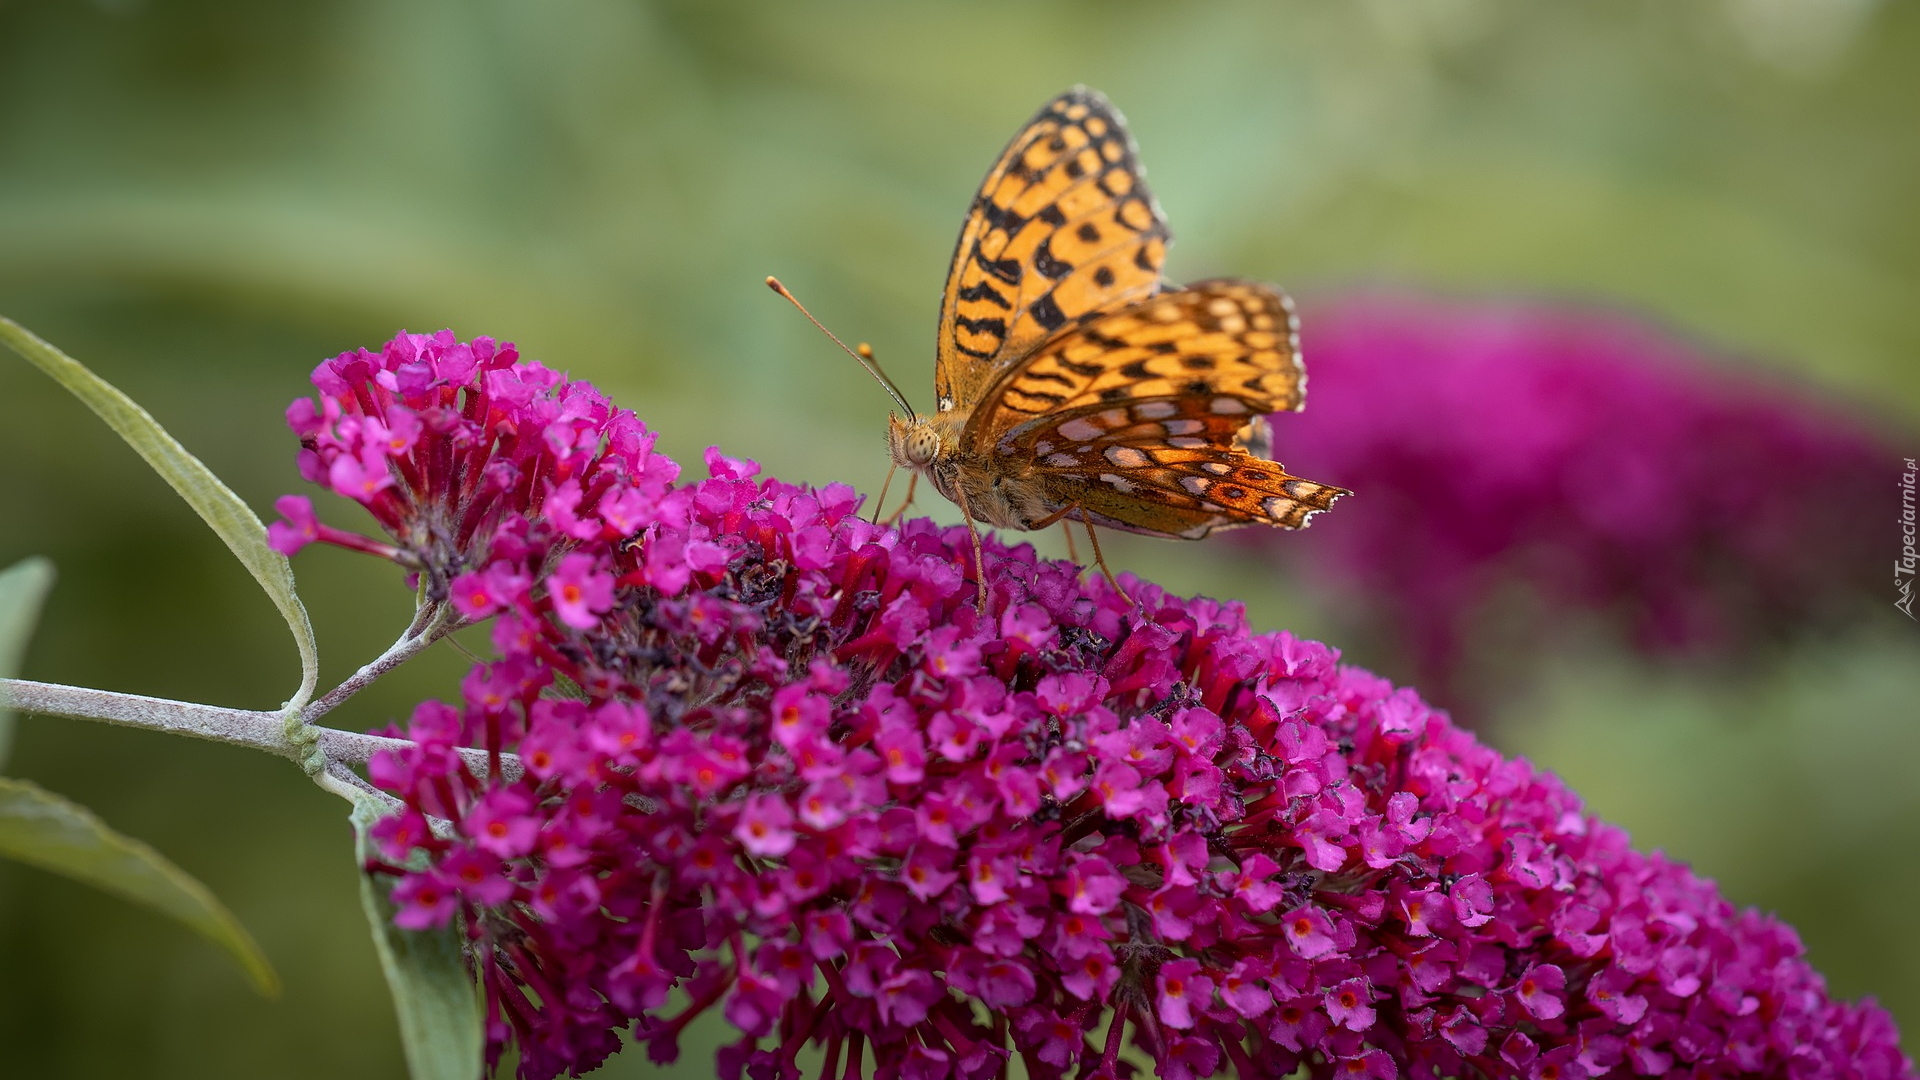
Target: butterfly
1073, 383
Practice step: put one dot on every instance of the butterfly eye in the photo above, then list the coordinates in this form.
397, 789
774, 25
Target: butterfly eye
922, 445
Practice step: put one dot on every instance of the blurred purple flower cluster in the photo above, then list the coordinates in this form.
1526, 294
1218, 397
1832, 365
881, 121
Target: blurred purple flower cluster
1528, 462
775, 760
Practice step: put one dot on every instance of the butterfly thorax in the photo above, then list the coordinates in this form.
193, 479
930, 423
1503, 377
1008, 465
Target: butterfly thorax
991, 488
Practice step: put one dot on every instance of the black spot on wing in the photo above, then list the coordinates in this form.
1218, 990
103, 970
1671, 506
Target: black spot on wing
1197, 363
1047, 396
980, 290
1050, 267
1089, 232
1051, 215
1007, 270
1103, 277
1084, 370
1001, 217
1115, 393
1137, 370
995, 327
1047, 313
1036, 403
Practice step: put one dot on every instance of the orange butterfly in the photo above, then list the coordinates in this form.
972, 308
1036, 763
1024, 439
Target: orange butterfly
1073, 383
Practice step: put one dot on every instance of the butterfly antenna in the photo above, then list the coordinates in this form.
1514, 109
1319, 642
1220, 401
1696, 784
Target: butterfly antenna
864, 357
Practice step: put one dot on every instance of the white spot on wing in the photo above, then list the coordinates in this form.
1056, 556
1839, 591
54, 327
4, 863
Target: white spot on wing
1196, 484
1226, 406
1217, 468
1187, 442
1120, 483
1154, 410
1061, 461
1185, 427
1127, 457
1079, 429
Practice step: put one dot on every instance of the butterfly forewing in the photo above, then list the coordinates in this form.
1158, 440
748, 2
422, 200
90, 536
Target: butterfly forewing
1063, 228
1229, 344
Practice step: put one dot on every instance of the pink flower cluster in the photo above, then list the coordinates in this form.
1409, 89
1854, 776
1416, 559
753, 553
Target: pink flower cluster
776, 763
459, 449
1516, 464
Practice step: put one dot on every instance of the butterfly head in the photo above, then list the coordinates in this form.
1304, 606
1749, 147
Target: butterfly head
913, 443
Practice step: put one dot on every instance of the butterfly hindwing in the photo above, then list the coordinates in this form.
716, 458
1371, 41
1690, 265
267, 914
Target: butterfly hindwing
1229, 345
1063, 228
1125, 467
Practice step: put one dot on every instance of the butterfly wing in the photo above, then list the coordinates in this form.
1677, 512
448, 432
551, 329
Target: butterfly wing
1234, 345
1063, 228
1166, 485
1144, 417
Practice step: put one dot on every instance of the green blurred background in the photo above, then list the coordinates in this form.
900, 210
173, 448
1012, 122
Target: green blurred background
203, 199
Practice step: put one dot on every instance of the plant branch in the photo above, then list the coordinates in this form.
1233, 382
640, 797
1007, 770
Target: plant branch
235, 727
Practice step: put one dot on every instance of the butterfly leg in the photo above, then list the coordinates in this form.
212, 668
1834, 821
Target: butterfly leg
973, 531
913, 481
1099, 560
1094, 539
1073, 556
880, 503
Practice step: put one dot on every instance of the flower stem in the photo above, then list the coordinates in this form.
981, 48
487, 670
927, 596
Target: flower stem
429, 626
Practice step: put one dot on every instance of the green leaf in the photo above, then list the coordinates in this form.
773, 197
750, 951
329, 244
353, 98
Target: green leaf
217, 505
45, 830
22, 588
434, 994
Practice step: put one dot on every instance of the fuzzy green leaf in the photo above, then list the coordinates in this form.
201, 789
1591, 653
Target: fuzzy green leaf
434, 994
23, 586
217, 505
42, 829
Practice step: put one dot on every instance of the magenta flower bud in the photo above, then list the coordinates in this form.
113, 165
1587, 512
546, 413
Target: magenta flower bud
423, 900
580, 591
766, 826
1183, 990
